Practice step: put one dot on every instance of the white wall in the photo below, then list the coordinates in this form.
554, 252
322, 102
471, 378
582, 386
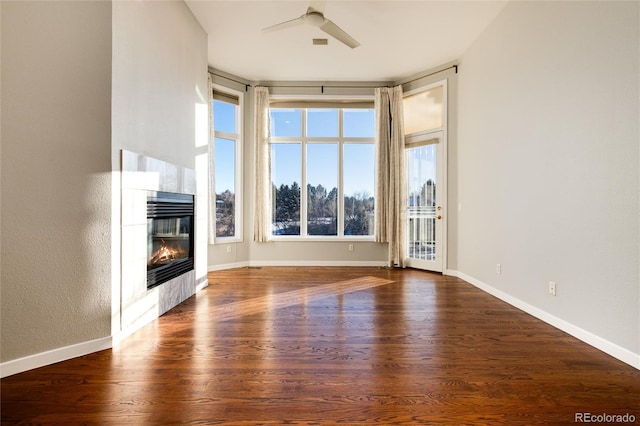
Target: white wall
548, 165
56, 163
160, 111
159, 76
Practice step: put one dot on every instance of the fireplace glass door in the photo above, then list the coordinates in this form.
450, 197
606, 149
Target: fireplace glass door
168, 241
169, 236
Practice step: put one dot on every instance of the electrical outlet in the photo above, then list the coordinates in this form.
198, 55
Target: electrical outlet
350, 247
228, 249
498, 268
552, 288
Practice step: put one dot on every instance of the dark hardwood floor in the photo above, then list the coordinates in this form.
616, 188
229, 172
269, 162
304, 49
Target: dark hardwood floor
331, 345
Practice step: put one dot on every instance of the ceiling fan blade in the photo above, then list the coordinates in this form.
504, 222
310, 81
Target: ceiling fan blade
316, 6
285, 24
339, 34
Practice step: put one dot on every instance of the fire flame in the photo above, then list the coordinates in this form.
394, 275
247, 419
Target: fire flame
166, 254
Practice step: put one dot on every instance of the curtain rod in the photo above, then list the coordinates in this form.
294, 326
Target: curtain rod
246, 85
322, 86
455, 67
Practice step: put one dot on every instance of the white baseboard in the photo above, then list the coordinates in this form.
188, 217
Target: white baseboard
30, 362
225, 266
594, 340
202, 285
343, 263
265, 263
132, 328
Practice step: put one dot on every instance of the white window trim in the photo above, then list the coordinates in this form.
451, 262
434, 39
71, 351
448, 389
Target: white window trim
239, 150
341, 141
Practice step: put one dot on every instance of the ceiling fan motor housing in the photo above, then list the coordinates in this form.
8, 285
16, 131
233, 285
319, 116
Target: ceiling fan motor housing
315, 19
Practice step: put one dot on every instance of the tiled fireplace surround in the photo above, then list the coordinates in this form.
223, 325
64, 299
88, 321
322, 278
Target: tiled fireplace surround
139, 306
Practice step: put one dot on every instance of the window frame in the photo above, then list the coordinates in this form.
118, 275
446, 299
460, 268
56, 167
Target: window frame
341, 141
237, 138
425, 138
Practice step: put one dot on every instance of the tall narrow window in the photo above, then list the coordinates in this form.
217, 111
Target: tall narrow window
323, 172
228, 164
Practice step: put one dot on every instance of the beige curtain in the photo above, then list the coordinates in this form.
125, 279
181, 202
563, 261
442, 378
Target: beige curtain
262, 218
212, 181
391, 197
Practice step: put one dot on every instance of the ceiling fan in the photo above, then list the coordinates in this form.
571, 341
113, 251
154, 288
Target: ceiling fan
315, 17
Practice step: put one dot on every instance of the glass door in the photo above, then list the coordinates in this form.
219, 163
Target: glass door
425, 204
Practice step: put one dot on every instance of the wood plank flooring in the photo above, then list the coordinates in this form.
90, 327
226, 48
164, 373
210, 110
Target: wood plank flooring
315, 345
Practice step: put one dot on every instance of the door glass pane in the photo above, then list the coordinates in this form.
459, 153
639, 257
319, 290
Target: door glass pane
322, 189
424, 111
286, 178
359, 178
322, 122
225, 175
422, 202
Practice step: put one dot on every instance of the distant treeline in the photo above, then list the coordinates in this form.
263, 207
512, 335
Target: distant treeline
322, 211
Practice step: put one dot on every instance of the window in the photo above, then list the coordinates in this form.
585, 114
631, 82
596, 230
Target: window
323, 172
228, 164
424, 112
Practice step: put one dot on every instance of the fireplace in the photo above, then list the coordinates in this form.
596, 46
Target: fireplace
169, 236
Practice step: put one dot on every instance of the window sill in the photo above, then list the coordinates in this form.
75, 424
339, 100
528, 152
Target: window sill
227, 240
324, 239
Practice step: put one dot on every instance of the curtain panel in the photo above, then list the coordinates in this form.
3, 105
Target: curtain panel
262, 217
391, 197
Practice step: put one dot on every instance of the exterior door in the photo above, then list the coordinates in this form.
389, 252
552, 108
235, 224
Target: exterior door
425, 204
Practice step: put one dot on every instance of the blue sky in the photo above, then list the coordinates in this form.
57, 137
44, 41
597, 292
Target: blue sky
322, 157
225, 121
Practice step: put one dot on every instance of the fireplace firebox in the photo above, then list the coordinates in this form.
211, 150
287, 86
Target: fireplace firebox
169, 236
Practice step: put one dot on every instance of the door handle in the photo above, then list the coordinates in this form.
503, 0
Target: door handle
439, 217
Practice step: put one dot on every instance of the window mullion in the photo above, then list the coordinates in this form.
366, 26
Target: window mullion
303, 186
225, 135
340, 199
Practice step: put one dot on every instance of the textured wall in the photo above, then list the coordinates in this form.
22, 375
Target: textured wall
56, 186
159, 77
548, 162
67, 88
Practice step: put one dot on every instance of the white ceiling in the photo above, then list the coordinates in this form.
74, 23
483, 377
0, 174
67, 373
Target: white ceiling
398, 38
